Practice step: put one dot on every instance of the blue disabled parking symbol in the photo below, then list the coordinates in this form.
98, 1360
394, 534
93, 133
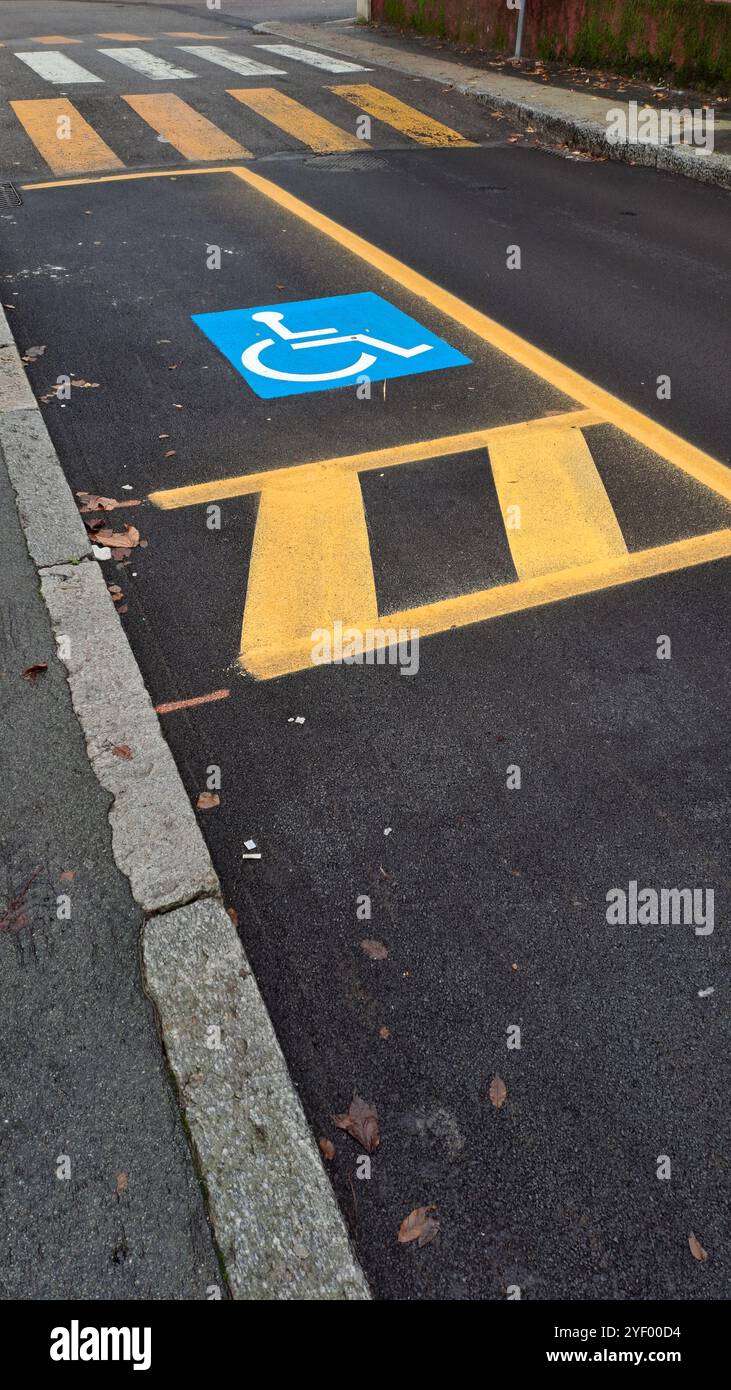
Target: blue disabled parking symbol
319, 344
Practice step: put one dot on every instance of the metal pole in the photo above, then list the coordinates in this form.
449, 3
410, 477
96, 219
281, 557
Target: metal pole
519, 35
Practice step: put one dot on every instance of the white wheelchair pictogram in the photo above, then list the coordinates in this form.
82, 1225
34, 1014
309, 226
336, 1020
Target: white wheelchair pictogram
317, 338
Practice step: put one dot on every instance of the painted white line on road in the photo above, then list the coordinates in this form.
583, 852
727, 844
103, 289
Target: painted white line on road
234, 61
147, 64
56, 67
315, 60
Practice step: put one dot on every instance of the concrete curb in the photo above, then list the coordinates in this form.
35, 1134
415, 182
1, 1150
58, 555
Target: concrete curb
516, 97
274, 1215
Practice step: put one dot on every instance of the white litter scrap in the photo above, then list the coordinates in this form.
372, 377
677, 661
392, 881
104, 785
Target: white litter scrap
296, 719
388, 829
704, 993
249, 844
102, 552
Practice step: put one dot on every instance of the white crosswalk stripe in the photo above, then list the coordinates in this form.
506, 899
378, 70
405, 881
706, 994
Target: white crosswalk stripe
55, 67
234, 61
146, 63
315, 60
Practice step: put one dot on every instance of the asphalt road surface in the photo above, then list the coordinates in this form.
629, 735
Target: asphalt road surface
564, 734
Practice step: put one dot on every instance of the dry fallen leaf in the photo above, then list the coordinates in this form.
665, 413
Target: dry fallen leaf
122, 1182
419, 1225
125, 540
68, 876
696, 1249
92, 502
233, 914
120, 750
115, 593
361, 1123
31, 673
207, 800
498, 1092
327, 1149
384, 1032
375, 950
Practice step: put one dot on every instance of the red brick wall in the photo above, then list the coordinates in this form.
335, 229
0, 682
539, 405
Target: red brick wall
693, 37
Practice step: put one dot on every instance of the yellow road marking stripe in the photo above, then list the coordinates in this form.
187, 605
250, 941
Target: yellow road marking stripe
51, 38
176, 173
290, 116
310, 564
693, 461
83, 150
420, 451
447, 614
554, 504
388, 109
189, 132
187, 34
128, 38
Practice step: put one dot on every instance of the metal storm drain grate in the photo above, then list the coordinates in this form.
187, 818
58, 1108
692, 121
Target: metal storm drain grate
348, 163
10, 195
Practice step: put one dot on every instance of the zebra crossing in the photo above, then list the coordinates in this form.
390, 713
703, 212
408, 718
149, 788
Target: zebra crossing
58, 68
68, 142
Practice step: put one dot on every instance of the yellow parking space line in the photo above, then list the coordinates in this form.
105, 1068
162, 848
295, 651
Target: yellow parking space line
310, 565
297, 120
693, 461
447, 614
128, 38
192, 34
388, 109
55, 39
419, 452
192, 134
554, 505
61, 135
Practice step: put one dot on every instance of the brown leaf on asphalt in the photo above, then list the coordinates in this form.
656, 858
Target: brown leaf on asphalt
498, 1092
31, 673
375, 950
92, 385
122, 1183
68, 876
116, 540
361, 1123
420, 1225
233, 914
327, 1149
696, 1249
120, 750
384, 1032
115, 593
170, 453
92, 502
207, 800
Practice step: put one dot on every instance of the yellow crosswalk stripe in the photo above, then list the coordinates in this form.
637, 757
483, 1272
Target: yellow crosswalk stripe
189, 132
66, 141
555, 509
128, 38
52, 38
191, 34
384, 107
313, 130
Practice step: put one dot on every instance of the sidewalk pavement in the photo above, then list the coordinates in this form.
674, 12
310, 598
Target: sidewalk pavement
133, 1030
578, 118
98, 1196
